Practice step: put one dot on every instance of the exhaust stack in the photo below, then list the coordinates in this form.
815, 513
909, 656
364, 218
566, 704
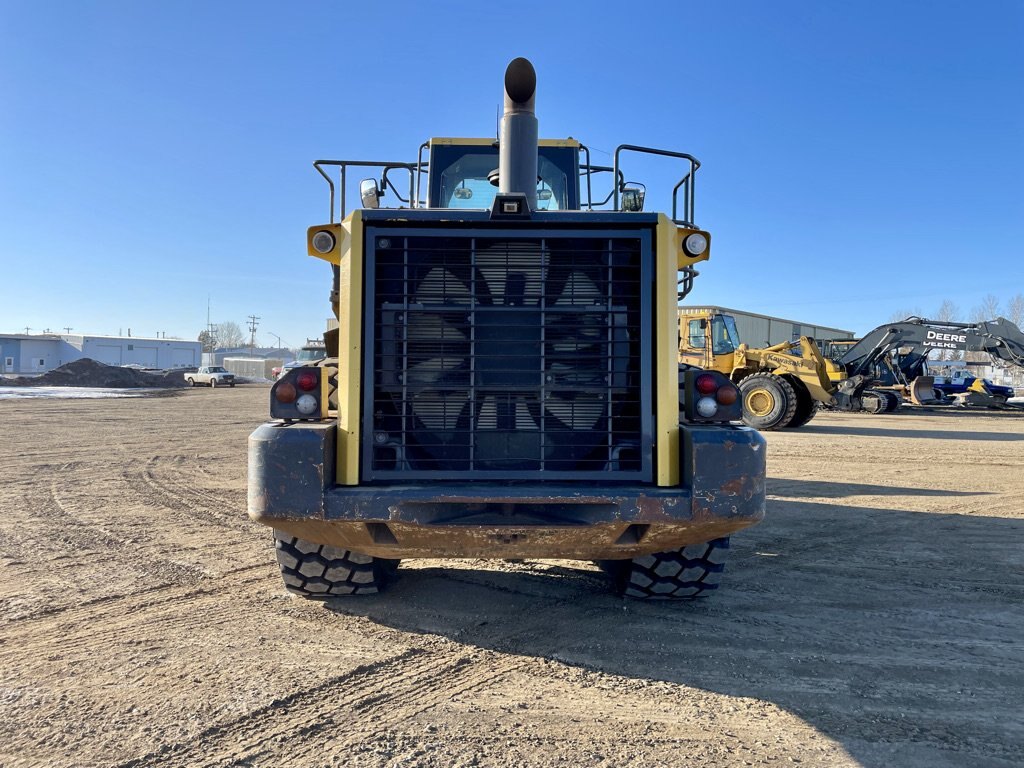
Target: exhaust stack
517, 152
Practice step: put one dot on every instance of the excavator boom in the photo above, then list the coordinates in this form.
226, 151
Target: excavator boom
1000, 338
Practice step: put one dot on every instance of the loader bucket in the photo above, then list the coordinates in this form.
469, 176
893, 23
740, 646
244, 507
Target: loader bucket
922, 390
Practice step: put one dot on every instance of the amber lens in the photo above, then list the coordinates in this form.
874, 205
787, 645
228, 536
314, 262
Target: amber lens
285, 393
727, 394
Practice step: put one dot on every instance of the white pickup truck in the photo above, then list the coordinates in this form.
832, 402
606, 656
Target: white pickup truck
214, 375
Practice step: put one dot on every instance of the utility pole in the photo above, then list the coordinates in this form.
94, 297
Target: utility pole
254, 322
211, 332
278, 340
27, 329
68, 328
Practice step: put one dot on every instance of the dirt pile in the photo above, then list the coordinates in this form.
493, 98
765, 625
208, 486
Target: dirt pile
89, 373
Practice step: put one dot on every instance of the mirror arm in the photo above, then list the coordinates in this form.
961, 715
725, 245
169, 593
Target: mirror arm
385, 183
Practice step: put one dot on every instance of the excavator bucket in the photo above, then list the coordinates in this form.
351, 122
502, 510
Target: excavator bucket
922, 390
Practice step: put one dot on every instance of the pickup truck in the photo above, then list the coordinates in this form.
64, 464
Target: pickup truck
214, 375
961, 380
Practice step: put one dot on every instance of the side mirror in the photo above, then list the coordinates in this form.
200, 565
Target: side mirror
632, 199
369, 193
703, 323
463, 193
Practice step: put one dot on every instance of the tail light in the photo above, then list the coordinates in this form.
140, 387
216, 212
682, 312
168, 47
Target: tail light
709, 397
300, 394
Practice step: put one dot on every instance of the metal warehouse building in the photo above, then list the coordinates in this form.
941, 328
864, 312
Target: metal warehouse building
763, 330
21, 354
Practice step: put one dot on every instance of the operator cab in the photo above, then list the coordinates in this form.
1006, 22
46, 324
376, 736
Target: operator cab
721, 329
465, 174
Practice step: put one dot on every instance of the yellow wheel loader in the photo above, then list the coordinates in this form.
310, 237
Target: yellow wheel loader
778, 388
781, 386
506, 376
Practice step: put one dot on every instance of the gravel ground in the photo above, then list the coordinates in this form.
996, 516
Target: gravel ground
873, 619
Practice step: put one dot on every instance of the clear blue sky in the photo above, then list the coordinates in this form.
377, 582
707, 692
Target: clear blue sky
860, 158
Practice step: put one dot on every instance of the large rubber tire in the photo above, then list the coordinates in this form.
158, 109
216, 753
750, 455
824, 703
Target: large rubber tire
687, 573
330, 366
191, 381
213, 382
320, 570
769, 401
806, 406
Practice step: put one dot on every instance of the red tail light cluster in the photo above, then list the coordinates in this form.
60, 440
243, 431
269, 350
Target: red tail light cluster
709, 397
300, 394
307, 381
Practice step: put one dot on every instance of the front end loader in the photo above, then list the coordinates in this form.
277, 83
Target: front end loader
503, 381
781, 386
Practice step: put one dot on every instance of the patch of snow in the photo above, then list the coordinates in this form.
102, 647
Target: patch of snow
73, 393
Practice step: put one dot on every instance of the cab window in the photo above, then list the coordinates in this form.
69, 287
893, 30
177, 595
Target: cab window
697, 333
724, 338
460, 177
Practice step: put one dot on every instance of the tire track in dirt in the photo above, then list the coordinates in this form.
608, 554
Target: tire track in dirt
343, 709
154, 484
379, 698
173, 603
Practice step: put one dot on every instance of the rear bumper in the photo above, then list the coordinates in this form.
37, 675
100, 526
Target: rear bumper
291, 487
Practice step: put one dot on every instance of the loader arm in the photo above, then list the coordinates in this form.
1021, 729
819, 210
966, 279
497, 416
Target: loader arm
809, 366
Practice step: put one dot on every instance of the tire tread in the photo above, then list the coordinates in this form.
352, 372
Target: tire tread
320, 570
690, 572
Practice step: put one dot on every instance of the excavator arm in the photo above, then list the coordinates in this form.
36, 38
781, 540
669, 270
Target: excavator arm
1000, 338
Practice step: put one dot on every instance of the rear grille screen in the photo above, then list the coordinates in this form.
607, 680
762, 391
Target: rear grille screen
507, 354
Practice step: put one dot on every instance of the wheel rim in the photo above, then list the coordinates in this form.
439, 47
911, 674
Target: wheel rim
760, 402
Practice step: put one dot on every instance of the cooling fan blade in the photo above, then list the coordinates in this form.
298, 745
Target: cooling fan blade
510, 274
437, 345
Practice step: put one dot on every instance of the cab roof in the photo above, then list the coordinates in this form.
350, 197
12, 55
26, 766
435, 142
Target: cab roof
477, 142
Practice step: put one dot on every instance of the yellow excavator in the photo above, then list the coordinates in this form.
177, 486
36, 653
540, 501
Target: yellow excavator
780, 386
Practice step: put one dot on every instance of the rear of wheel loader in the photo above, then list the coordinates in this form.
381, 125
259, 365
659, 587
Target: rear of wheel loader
507, 383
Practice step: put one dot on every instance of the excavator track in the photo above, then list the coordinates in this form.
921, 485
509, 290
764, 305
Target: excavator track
873, 401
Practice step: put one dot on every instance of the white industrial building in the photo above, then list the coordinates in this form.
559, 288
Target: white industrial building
757, 330
27, 354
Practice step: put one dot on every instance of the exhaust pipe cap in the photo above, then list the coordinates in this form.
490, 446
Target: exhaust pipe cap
520, 80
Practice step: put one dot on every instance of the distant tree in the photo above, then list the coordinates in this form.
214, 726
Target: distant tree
988, 309
903, 314
948, 312
1015, 310
208, 340
230, 334
1015, 314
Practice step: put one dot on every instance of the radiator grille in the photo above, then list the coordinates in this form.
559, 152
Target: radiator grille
507, 356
